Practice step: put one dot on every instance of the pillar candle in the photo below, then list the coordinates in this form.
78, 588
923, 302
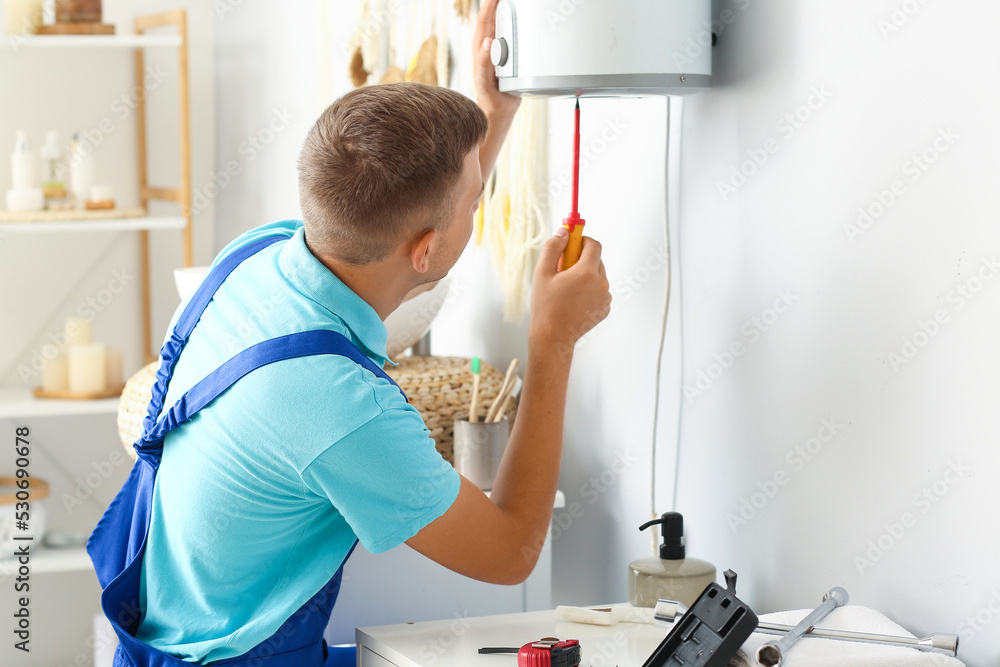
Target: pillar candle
55, 375
101, 193
87, 368
78, 331
24, 16
113, 365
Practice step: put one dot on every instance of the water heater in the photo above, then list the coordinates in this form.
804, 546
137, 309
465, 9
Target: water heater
597, 48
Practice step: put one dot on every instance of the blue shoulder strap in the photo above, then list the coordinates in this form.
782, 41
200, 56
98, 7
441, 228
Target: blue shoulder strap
300, 344
117, 543
305, 343
171, 350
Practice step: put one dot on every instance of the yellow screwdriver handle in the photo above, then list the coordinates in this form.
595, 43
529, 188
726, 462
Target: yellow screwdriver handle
571, 255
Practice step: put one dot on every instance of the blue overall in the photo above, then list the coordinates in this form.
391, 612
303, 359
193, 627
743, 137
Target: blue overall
118, 542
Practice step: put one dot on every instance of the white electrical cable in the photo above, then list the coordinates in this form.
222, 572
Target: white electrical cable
667, 202
679, 118
663, 330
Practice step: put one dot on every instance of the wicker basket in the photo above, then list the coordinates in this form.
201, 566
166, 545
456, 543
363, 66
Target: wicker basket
136, 395
440, 388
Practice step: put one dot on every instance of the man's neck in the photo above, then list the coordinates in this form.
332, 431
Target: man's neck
381, 285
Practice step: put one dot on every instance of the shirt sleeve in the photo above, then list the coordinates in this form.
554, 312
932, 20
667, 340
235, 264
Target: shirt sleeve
386, 479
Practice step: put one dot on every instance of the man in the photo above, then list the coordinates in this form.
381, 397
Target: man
260, 497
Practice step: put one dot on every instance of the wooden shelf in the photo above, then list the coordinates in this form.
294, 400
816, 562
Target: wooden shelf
105, 225
16, 43
18, 403
50, 560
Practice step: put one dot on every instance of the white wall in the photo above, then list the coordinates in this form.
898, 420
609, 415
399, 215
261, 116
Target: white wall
858, 297
267, 75
851, 515
45, 278
782, 233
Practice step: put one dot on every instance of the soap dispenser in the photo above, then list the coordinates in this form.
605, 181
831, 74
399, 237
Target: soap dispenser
672, 576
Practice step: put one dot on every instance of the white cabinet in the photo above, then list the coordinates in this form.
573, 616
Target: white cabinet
402, 586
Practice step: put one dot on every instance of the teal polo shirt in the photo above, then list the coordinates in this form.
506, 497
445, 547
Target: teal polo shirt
259, 497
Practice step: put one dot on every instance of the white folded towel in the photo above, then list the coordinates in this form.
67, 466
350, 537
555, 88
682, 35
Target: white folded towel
817, 652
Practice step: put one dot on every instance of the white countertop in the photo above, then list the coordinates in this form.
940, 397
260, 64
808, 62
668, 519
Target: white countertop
456, 642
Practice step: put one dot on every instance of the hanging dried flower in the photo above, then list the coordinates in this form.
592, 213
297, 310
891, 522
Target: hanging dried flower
359, 75
424, 68
464, 9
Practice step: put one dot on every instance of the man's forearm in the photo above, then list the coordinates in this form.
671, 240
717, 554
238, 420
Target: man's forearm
500, 541
490, 150
526, 483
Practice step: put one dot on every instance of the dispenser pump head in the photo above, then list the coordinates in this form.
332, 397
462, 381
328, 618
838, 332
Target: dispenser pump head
21, 144
672, 547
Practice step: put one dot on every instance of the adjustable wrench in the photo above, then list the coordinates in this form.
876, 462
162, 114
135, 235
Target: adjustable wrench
771, 653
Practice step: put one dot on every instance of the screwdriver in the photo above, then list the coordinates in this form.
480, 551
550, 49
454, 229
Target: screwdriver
574, 223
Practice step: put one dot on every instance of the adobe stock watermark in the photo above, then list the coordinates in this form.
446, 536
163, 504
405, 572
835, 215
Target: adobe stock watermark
378, 19
87, 309
796, 459
104, 642
752, 330
787, 126
121, 108
19, 35
248, 149
975, 623
563, 11
627, 286
606, 651
224, 8
422, 317
632, 281
923, 501
85, 487
251, 324
434, 648
695, 45
899, 16
589, 152
589, 492
912, 170
929, 328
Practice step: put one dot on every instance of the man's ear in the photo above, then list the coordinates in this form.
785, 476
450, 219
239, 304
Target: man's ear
423, 245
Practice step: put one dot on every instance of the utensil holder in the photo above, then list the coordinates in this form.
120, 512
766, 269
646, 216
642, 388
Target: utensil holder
479, 448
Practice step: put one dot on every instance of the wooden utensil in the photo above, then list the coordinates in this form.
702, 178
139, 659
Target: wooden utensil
505, 388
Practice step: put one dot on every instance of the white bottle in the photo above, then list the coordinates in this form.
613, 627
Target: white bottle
81, 173
52, 177
24, 195
22, 163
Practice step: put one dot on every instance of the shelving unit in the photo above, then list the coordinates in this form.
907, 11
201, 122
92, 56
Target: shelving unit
50, 560
91, 42
180, 195
111, 225
17, 403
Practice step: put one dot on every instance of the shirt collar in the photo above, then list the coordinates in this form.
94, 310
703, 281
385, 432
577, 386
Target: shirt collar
322, 286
